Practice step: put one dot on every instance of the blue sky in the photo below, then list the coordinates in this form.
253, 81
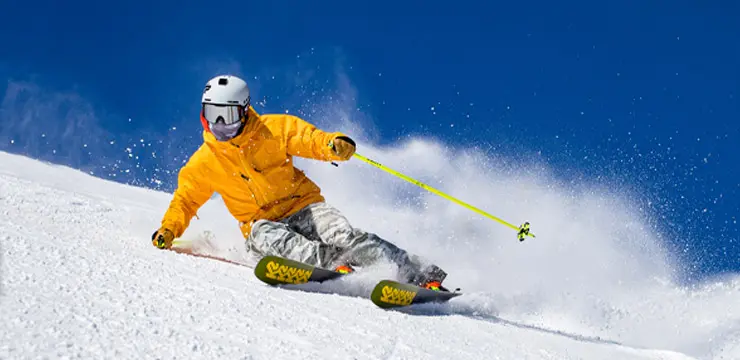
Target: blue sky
639, 93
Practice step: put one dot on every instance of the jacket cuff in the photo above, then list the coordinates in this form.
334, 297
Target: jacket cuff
174, 227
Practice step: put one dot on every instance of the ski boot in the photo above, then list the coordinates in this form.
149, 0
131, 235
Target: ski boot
344, 269
435, 286
431, 279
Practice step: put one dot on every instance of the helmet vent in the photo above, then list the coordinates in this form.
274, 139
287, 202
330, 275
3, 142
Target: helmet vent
223, 81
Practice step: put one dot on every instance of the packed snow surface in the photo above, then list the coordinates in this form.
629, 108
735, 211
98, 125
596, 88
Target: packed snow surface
80, 278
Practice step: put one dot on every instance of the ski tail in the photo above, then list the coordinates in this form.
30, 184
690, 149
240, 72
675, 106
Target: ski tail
275, 270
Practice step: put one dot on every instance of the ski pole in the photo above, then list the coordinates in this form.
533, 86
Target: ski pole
522, 231
181, 242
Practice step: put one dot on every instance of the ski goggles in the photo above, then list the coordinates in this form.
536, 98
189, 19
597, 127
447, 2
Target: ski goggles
228, 114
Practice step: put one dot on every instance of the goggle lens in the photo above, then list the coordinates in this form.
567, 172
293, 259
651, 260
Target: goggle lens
228, 114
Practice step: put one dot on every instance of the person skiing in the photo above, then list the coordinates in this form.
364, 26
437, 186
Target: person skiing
248, 159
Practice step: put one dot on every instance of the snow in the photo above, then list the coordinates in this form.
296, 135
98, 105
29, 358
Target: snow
80, 279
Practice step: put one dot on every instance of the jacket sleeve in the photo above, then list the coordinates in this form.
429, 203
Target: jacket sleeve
305, 140
193, 190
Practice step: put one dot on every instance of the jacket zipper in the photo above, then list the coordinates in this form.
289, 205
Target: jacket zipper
247, 178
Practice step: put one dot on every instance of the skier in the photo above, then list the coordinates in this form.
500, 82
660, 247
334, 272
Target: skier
248, 159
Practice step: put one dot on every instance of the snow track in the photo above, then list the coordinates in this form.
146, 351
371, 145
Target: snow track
80, 279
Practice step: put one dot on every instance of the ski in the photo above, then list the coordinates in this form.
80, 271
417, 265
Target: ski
393, 294
387, 294
275, 270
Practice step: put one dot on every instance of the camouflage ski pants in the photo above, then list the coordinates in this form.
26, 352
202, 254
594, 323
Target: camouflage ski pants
321, 236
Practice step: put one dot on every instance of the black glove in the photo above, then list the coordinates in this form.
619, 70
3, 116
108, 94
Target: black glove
163, 238
343, 146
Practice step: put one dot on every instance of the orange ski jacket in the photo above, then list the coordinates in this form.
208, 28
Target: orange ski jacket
253, 173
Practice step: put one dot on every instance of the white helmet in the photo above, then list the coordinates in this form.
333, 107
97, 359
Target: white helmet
225, 106
226, 90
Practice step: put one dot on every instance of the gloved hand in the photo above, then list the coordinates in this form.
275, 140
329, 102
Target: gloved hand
343, 146
163, 238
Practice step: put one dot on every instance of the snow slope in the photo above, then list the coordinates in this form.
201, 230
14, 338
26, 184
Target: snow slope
81, 279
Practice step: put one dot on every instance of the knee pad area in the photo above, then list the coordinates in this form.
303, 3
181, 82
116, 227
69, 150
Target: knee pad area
257, 227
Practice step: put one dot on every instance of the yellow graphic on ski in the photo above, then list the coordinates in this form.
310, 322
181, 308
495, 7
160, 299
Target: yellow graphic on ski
276, 270
393, 294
